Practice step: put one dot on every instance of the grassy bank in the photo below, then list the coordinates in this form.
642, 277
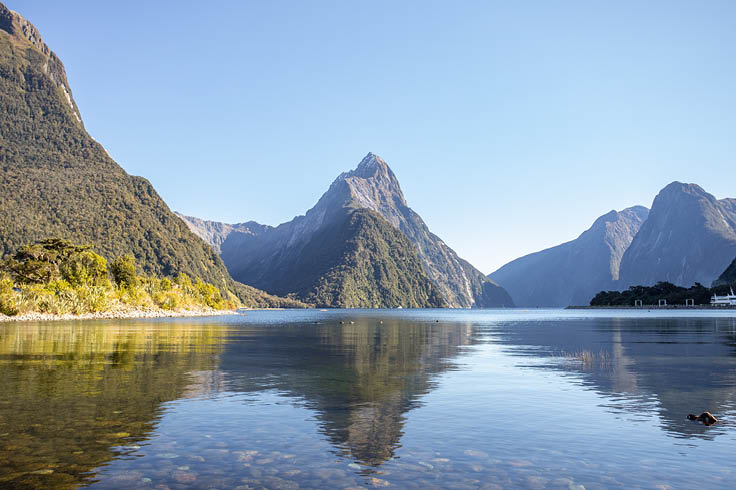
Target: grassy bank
55, 278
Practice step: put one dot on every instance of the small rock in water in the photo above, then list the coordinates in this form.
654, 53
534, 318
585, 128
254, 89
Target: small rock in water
563, 482
184, 476
520, 463
45, 471
377, 482
182, 468
536, 482
146, 480
167, 455
355, 466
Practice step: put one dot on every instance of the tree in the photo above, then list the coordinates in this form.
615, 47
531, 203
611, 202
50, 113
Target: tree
85, 267
42, 262
123, 271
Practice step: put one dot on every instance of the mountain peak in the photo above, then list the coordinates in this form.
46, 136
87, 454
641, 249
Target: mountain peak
689, 237
373, 185
370, 166
22, 33
17, 26
676, 187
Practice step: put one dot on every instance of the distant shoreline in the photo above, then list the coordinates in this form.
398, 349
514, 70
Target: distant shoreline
653, 307
115, 315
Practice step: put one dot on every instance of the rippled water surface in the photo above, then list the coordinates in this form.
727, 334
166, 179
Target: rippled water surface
347, 399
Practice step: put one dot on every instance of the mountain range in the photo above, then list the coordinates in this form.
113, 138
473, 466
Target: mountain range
58, 181
361, 245
571, 273
687, 237
728, 276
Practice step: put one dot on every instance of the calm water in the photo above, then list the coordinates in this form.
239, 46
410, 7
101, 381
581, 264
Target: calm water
403, 399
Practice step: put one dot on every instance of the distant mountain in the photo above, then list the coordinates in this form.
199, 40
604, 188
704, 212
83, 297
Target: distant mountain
58, 181
333, 244
215, 233
728, 276
573, 272
689, 237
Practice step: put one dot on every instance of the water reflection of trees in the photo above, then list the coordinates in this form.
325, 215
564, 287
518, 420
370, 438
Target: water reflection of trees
663, 366
360, 378
73, 395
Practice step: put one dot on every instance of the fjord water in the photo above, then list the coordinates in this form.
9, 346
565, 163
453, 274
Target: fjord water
338, 399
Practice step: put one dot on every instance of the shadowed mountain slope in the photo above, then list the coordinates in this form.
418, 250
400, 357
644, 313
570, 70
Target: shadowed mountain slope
728, 276
573, 272
285, 259
689, 237
58, 181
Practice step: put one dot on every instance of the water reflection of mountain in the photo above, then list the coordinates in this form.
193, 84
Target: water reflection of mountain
669, 367
360, 378
73, 395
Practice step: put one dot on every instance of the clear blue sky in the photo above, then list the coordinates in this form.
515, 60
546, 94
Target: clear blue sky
511, 125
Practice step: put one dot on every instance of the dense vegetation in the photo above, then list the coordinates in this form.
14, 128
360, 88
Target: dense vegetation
650, 295
58, 181
356, 260
56, 276
371, 265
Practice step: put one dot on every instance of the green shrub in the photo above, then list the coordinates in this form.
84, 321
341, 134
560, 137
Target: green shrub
9, 299
85, 267
123, 271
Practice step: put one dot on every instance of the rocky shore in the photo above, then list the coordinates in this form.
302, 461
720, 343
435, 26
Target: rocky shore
119, 314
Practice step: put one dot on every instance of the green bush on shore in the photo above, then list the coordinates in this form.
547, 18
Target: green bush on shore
58, 277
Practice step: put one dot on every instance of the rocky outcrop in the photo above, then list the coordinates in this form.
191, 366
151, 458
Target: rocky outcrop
689, 237
56, 180
215, 233
573, 272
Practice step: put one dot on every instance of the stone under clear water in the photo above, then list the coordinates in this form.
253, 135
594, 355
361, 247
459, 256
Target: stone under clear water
386, 399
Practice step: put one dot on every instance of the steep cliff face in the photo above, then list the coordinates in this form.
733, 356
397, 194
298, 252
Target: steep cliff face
690, 236
215, 233
728, 276
23, 33
372, 185
58, 181
261, 258
573, 272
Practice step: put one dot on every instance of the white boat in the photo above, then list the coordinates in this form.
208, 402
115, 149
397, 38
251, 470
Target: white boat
729, 299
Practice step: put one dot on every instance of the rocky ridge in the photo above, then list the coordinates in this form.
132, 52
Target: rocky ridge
573, 272
689, 237
258, 258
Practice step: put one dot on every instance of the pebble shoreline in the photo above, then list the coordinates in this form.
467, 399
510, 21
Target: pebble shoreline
114, 315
